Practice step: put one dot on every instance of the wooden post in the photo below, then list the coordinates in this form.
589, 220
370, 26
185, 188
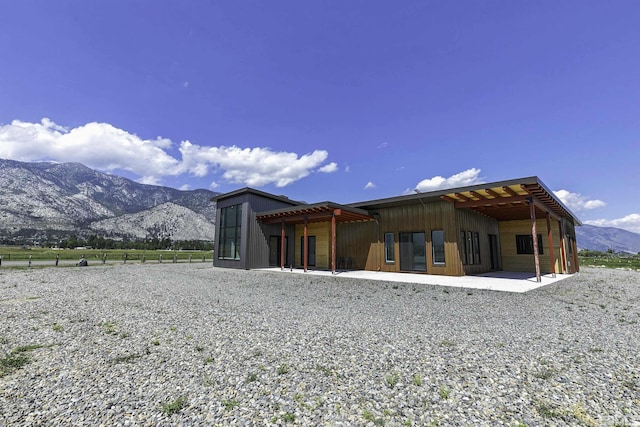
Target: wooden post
305, 246
534, 233
282, 246
333, 243
563, 255
550, 239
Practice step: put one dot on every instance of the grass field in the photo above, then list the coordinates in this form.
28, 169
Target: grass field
612, 261
11, 253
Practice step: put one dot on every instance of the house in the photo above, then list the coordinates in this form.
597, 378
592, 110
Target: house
514, 225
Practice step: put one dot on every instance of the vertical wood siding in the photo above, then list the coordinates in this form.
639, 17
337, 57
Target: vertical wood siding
468, 220
513, 261
322, 232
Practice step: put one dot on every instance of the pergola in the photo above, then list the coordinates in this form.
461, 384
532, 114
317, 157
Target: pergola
522, 199
305, 214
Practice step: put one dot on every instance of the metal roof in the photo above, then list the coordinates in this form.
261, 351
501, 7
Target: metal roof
502, 200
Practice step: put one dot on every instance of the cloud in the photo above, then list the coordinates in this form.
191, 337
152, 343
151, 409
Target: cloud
370, 185
630, 222
185, 187
462, 179
98, 145
577, 202
329, 168
104, 147
383, 145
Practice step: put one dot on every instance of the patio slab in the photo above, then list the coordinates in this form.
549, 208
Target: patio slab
504, 281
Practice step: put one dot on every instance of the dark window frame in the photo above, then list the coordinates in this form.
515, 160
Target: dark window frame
438, 252
230, 232
524, 244
389, 248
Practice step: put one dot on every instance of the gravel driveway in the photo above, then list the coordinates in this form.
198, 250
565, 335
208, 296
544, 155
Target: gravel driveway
188, 344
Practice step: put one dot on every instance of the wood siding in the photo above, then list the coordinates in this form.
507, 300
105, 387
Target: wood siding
322, 233
512, 261
364, 242
469, 220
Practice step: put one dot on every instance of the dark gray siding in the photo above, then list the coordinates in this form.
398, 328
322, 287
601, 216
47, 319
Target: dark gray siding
254, 240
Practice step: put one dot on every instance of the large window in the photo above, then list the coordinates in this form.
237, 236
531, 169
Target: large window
524, 244
476, 248
230, 231
389, 250
463, 246
470, 247
437, 245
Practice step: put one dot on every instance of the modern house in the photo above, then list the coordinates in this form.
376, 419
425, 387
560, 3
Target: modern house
515, 225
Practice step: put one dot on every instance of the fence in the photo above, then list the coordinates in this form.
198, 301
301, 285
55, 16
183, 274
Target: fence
96, 258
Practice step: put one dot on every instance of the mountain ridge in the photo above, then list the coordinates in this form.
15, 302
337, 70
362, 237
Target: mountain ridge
46, 198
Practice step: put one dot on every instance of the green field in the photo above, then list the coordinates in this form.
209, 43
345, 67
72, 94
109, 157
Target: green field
609, 260
9, 253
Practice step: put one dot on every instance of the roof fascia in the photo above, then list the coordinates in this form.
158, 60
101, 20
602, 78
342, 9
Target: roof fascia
249, 190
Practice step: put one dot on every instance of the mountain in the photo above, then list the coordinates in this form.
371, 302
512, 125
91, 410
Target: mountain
70, 198
605, 238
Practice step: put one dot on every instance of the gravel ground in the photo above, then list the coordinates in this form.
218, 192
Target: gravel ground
188, 344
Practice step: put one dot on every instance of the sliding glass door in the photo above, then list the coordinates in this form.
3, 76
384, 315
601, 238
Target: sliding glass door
413, 253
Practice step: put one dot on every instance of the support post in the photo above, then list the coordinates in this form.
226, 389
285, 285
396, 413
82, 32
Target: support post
305, 246
282, 247
563, 255
550, 240
534, 233
333, 243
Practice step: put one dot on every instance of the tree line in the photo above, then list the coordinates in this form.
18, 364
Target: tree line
99, 242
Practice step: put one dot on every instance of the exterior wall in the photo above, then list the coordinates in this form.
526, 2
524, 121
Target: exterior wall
254, 240
322, 232
468, 220
512, 261
364, 242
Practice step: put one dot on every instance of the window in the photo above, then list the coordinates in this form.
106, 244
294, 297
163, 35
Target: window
230, 231
469, 247
463, 246
524, 244
437, 244
476, 248
389, 252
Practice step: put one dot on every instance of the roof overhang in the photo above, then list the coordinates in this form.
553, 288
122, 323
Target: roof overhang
317, 212
502, 200
510, 200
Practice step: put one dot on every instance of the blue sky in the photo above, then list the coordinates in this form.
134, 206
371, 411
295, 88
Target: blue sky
341, 101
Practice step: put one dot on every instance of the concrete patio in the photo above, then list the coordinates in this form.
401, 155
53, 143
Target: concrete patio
504, 281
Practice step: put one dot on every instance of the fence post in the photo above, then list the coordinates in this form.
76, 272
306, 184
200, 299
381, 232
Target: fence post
189, 258
160, 258
29, 260
57, 259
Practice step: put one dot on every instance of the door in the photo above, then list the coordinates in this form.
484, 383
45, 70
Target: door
311, 240
413, 252
493, 250
275, 251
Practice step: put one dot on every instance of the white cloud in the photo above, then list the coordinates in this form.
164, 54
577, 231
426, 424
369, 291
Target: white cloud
577, 202
630, 222
185, 187
329, 168
250, 166
104, 147
370, 185
462, 179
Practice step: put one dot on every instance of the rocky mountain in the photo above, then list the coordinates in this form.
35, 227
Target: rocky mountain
605, 238
70, 198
